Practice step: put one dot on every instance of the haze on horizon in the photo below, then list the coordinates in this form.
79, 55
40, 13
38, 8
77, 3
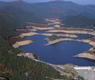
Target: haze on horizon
76, 1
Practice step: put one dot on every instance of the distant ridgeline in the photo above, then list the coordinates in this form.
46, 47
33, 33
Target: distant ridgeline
79, 21
15, 14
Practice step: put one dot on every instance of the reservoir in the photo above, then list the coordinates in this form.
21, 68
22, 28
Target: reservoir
60, 53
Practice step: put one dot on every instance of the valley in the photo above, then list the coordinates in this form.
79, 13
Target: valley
52, 40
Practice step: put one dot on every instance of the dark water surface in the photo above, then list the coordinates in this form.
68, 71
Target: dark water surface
83, 36
60, 53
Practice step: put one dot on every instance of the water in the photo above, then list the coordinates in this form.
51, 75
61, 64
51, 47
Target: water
60, 53
83, 36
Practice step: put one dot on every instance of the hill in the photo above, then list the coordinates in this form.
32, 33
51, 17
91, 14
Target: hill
79, 21
61, 8
12, 17
64, 10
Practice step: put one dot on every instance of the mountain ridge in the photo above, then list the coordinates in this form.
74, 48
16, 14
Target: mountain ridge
22, 12
55, 7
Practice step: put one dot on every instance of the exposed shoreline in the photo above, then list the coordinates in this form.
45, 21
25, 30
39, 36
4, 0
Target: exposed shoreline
22, 43
92, 43
59, 68
28, 34
69, 32
80, 55
61, 35
85, 56
91, 32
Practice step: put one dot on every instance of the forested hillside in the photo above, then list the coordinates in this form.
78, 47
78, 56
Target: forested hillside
20, 68
70, 13
79, 21
12, 17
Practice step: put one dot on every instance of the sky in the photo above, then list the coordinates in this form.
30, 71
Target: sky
76, 1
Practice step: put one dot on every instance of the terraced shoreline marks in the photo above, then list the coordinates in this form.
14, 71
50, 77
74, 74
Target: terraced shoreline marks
22, 43
60, 35
74, 31
18, 44
68, 32
57, 41
28, 34
43, 28
58, 68
85, 55
92, 43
